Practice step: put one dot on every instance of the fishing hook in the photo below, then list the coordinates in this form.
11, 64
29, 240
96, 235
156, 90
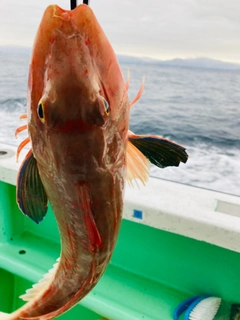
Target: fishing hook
73, 3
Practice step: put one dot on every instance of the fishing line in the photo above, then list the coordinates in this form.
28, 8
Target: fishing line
73, 3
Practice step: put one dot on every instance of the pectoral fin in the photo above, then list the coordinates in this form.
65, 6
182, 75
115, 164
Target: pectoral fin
159, 151
31, 196
137, 164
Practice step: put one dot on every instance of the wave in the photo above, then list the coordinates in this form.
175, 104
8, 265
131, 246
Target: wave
10, 111
208, 168
198, 109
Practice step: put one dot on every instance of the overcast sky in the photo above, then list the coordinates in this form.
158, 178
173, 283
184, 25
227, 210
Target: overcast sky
162, 29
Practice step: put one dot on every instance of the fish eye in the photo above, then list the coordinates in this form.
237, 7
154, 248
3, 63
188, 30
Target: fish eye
40, 112
106, 106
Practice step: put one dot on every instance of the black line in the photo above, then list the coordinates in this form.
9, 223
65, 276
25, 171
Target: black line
73, 4
85, 2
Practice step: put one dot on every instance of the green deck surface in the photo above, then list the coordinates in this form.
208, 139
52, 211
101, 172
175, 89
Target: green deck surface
150, 273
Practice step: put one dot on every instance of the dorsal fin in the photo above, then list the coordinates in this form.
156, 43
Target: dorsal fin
40, 285
138, 96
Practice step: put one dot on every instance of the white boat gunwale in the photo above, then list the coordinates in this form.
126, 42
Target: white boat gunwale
201, 214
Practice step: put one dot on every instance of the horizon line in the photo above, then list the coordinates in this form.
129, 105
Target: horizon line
142, 56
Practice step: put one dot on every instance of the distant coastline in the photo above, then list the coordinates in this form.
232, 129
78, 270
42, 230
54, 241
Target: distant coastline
200, 63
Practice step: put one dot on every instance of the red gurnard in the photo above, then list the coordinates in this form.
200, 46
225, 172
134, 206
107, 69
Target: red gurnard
78, 118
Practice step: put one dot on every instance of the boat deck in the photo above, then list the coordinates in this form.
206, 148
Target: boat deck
176, 241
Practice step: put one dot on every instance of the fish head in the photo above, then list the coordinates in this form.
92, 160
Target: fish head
76, 92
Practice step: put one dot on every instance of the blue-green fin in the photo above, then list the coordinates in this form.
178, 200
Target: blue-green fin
159, 151
31, 196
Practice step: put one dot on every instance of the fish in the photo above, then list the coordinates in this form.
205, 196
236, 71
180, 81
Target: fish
82, 153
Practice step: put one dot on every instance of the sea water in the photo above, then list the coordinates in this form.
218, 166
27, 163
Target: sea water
198, 108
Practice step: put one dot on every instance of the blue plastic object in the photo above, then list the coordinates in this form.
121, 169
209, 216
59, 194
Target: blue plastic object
193, 305
187, 305
182, 307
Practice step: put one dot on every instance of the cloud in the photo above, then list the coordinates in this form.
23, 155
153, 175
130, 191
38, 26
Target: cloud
164, 29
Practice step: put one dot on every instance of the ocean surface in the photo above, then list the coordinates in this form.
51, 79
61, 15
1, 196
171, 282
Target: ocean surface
198, 108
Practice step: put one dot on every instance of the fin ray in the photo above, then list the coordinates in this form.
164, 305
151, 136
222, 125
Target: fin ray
137, 164
20, 129
159, 151
31, 196
40, 285
138, 96
21, 146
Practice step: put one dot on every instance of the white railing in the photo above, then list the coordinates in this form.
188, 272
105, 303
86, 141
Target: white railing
193, 212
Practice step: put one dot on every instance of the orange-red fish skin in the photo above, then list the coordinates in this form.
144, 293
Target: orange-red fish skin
80, 151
